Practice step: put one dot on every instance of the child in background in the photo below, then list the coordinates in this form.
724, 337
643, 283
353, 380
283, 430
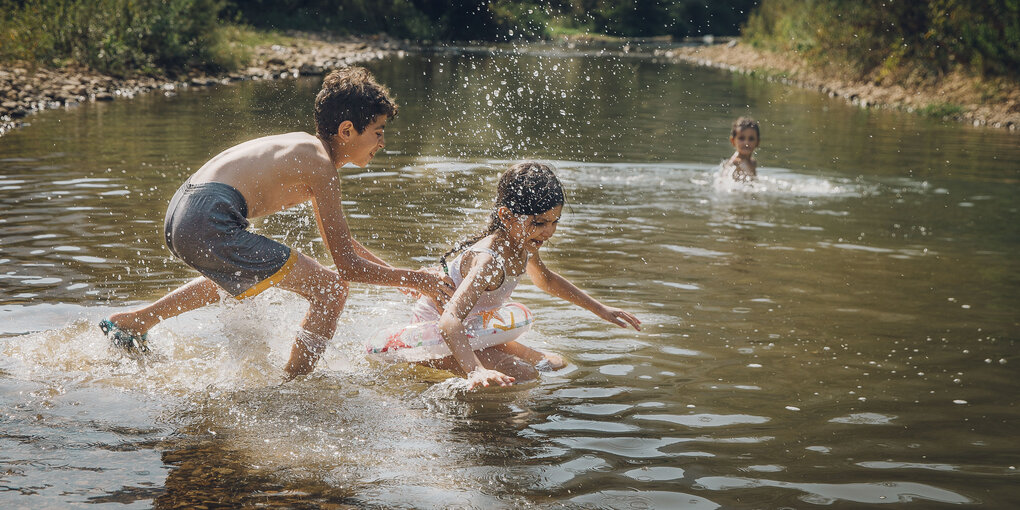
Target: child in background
744, 136
528, 206
207, 220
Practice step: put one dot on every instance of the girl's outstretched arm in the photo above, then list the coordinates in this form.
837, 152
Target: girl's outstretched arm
558, 286
451, 323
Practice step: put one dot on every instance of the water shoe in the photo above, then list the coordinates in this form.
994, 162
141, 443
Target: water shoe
123, 339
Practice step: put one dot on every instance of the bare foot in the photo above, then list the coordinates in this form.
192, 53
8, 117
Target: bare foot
551, 361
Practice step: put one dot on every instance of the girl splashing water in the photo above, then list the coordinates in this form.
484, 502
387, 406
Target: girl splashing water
528, 206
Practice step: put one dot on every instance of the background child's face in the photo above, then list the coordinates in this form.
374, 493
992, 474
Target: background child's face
745, 142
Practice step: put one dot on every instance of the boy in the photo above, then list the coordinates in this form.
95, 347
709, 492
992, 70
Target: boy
207, 219
744, 137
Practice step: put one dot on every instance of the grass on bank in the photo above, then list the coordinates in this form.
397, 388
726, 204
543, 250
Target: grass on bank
941, 110
887, 42
121, 37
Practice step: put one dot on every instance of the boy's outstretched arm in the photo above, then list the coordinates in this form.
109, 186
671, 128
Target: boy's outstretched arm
348, 254
366, 254
551, 282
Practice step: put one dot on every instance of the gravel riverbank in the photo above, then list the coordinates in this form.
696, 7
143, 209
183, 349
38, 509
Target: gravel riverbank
25, 90
962, 98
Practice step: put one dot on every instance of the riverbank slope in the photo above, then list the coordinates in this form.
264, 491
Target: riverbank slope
993, 103
27, 89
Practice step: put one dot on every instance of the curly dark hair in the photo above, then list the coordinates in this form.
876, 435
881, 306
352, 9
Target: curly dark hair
351, 94
526, 188
742, 124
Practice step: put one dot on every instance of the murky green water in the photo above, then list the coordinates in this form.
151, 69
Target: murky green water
842, 334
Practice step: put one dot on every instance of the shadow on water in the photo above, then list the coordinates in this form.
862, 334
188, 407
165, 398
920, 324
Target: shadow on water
841, 332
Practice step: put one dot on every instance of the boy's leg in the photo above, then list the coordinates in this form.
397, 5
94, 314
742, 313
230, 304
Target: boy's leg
194, 294
326, 293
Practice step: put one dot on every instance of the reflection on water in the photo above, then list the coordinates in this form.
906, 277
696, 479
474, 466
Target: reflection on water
840, 332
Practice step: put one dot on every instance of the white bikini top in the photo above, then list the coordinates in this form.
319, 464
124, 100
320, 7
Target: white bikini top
489, 299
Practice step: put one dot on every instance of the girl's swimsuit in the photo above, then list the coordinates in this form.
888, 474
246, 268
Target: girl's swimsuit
425, 309
206, 228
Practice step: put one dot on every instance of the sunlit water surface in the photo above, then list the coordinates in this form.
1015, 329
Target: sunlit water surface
840, 334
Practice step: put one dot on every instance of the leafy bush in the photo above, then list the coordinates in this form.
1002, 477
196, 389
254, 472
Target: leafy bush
889, 40
649, 18
116, 36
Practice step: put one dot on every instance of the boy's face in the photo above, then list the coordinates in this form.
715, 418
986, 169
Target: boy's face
745, 142
361, 147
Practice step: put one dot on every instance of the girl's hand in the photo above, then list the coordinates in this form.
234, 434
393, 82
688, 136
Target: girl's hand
483, 376
619, 317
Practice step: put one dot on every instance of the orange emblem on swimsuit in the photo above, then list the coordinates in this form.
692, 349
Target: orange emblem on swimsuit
488, 315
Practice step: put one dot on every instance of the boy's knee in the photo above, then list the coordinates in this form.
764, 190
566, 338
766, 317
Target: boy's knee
331, 294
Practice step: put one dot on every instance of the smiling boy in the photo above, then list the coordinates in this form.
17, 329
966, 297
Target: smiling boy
206, 222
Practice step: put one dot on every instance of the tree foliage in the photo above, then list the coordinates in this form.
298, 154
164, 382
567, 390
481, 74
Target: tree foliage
116, 36
649, 18
498, 19
895, 39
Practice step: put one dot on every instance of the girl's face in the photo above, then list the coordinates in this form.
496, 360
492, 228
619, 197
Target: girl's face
532, 231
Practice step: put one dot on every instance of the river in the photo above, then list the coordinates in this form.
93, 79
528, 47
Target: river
841, 333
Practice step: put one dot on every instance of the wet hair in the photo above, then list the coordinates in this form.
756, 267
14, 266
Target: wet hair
527, 188
744, 123
351, 94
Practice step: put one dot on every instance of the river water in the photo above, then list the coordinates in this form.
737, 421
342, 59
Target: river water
840, 334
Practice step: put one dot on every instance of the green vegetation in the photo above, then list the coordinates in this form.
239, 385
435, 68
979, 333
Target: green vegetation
168, 36
498, 19
117, 36
941, 110
881, 40
650, 18
892, 41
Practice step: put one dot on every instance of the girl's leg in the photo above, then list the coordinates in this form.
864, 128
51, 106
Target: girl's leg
194, 294
492, 358
326, 294
531, 355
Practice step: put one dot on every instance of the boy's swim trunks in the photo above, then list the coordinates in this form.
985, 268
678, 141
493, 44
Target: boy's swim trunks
206, 228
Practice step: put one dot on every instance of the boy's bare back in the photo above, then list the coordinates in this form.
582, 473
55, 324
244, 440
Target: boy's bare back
273, 173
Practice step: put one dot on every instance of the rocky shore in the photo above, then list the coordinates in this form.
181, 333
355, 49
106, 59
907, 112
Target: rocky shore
961, 98
25, 90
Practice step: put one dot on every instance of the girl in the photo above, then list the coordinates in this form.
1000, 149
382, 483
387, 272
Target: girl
528, 206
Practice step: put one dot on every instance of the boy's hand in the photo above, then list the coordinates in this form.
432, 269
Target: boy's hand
483, 376
436, 285
427, 269
619, 317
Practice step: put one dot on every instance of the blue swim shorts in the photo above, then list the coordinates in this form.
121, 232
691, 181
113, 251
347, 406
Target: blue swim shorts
206, 227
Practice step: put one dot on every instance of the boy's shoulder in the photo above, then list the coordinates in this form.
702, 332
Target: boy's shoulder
298, 148
297, 140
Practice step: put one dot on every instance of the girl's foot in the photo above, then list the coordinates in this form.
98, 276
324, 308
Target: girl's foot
550, 362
